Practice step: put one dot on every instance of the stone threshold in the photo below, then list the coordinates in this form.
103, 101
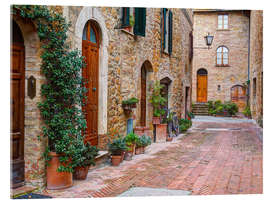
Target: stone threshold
25, 189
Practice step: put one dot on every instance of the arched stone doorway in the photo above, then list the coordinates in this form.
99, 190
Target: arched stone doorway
165, 90
202, 85
90, 50
238, 96
17, 105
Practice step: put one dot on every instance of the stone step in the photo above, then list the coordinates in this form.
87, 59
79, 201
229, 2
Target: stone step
101, 159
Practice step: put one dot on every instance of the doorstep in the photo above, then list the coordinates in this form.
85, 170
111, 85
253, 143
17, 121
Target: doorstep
101, 159
22, 190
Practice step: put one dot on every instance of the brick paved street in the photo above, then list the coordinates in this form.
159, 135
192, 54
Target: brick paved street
216, 156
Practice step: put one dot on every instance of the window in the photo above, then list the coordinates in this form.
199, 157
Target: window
134, 20
218, 87
222, 56
167, 22
90, 33
254, 88
223, 21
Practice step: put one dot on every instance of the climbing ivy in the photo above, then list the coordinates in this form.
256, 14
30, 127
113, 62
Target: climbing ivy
63, 92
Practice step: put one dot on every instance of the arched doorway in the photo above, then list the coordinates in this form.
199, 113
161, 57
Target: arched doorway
90, 50
238, 96
202, 85
17, 105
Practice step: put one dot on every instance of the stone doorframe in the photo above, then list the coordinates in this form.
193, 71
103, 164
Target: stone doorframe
86, 14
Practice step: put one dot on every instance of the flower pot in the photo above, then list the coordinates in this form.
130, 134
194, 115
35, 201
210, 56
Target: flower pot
80, 172
161, 132
128, 156
116, 160
156, 120
139, 150
57, 180
169, 139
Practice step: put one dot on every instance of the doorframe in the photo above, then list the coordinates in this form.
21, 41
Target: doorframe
202, 69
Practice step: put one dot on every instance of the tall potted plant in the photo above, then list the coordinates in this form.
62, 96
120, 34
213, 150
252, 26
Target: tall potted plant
62, 93
130, 140
157, 101
83, 158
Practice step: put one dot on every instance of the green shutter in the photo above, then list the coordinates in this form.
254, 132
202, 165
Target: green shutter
170, 31
125, 17
164, 28
140, 21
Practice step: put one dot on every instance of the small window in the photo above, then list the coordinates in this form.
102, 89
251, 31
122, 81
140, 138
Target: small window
218, 87
254, 88
167, 23
222, 56
89, 33
223, 21
134, 20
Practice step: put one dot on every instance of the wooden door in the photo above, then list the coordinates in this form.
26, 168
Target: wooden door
201, 88
143, 96
238, 96
90, 50
17, 114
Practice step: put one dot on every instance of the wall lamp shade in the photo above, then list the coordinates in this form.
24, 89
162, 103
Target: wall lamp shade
209, 39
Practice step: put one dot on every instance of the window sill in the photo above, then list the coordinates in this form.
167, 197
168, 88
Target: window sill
125, 30
223, 30
222, 65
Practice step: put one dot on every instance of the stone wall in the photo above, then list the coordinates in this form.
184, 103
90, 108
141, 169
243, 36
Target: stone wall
235, 38
256, 64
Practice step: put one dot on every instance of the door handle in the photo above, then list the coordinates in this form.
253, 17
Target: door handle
94, 89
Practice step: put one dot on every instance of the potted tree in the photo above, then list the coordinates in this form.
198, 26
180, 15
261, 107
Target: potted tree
157, 101
116, 148
130, 140
83, 159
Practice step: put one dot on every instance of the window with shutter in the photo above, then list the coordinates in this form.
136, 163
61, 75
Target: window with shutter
167, 30
134, 20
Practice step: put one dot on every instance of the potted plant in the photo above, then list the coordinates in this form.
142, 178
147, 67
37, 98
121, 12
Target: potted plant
145, 140
157, 101
116, 148
130, 103
190, 115
83, 158
130, 140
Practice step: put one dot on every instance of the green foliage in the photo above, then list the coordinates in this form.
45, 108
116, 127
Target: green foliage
190, 115
157, 100
132, 100
247, 111
184, 124
117, 146
64, 92
131, 138
85, 153
143, 141
218, 107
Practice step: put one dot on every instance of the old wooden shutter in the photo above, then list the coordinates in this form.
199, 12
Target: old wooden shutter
170, 31
164, 28
140, 21
125, 17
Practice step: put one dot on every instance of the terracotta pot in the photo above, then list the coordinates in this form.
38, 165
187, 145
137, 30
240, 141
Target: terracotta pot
139, 150
133, 105
156, 120
161, 132
57, 180
128, 156
169, 139
80, 172
116, 160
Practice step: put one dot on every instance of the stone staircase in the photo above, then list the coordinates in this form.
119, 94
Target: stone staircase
200, 109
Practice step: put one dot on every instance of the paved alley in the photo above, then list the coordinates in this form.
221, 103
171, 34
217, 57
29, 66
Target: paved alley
215, 156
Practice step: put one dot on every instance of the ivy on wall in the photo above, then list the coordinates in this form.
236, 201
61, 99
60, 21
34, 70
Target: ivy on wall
63, 92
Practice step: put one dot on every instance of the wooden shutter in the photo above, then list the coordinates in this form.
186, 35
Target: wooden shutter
170, 31
125, 17
164, 28
191, 46
140, 21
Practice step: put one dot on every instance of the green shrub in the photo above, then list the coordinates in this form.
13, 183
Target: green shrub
132, 100
117, 146
184, 124
231, 107
247, 111
218, 107
143, 141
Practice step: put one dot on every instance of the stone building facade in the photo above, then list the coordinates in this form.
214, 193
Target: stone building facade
256, 65
231, 36
121, 56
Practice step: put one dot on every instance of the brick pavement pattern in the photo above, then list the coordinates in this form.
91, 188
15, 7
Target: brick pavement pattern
212, 158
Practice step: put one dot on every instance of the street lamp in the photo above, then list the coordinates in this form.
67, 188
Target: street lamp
209, 40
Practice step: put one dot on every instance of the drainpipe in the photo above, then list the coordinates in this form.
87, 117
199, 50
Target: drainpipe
248, 85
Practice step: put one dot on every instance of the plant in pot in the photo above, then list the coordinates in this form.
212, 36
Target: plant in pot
83, 158
62, 93
145, 141
130, 103
130, 140
157, 101
190, 115
116, 148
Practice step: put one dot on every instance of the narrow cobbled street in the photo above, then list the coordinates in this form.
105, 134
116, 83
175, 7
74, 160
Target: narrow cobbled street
215, 156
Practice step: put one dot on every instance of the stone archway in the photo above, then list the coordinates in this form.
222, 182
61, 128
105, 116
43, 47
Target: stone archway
238, 96
93, 14
202, 85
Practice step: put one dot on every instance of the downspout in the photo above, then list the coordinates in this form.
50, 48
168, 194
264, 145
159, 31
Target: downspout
248, 79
